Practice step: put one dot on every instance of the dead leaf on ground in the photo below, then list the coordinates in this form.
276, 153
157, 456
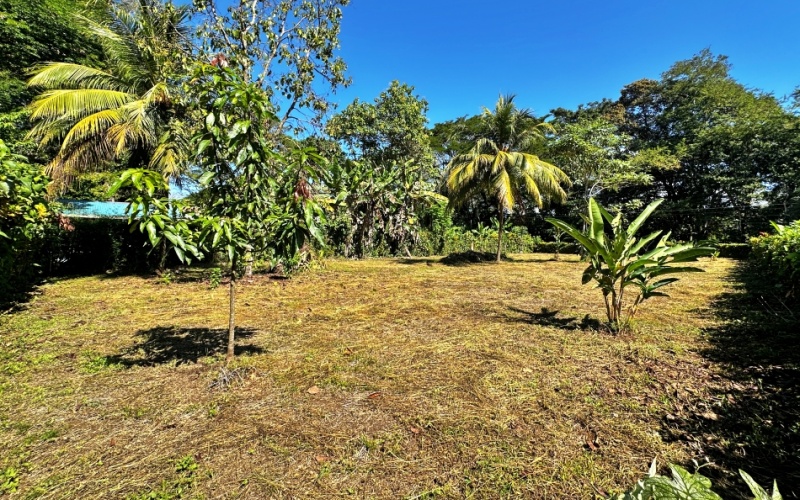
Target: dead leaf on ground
591, 440
321, 459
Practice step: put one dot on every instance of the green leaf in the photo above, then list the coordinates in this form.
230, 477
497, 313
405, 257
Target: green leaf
641, 244
758, 492
206, 178
171, 237
203, 145
674, 270
151, 232
180, 253
596, 224
587, 275
575, 234
660, 283
637, 223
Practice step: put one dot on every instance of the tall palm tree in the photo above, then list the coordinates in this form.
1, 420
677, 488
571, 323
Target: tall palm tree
502, 165
130, 112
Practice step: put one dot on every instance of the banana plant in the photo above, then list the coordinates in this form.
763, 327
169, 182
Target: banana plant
619, 260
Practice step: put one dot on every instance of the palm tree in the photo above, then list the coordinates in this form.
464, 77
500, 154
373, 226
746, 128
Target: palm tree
129, 112
502, 165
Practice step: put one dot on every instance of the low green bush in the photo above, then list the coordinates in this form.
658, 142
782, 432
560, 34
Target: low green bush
778, 255
26, 217
684, 485
733, 250
458, 240
92, 246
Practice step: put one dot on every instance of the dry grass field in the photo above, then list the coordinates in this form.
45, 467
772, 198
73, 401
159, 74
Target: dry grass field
386, 378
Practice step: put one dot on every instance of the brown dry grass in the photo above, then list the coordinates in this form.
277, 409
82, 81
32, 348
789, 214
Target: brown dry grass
454, 381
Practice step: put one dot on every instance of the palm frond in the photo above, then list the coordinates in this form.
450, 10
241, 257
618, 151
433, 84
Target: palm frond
76, 103
136, 131
169, 157
100, 116
70, 76
76, 159
93, 126
504, 189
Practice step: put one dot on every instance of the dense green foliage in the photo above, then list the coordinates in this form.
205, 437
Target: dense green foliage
721, 155
132, 112
778, 256
382, 190
683, 485
31, 34
737, 157
620, 261
25, 216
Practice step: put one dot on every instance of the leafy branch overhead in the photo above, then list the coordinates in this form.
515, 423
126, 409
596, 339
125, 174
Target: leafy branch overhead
283, 46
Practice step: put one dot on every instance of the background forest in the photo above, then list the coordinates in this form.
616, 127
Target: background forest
90, 90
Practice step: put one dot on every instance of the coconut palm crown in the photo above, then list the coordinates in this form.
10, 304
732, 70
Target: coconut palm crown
127, 113
501, 164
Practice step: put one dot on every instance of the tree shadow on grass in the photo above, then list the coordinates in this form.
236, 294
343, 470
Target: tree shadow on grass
550, 318
162, 345
752, 420
471, 257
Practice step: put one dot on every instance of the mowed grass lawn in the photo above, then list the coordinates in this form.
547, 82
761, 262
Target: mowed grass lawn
385, 378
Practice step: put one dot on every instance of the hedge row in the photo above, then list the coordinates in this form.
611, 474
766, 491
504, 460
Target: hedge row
778, 256
82, 247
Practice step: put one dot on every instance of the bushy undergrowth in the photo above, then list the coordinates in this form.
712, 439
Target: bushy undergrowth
92, 246
778, 255
25, 217
458, 240
684, 485
732, 250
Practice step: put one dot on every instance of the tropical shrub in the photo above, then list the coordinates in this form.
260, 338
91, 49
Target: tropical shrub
619, 260
84, 246
685, 486
778, 255
484, 239
25, 216
732, 250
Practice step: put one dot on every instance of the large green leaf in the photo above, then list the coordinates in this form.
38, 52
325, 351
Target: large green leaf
758, 492
576, 234
596, 224
637, 223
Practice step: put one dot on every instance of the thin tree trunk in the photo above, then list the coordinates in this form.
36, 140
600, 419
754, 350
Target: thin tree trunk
162, 258
500, 231
248, 268
231, 315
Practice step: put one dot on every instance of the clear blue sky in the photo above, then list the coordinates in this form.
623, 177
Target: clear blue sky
460, 54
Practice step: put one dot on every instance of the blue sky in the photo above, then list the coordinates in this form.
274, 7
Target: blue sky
461, 54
